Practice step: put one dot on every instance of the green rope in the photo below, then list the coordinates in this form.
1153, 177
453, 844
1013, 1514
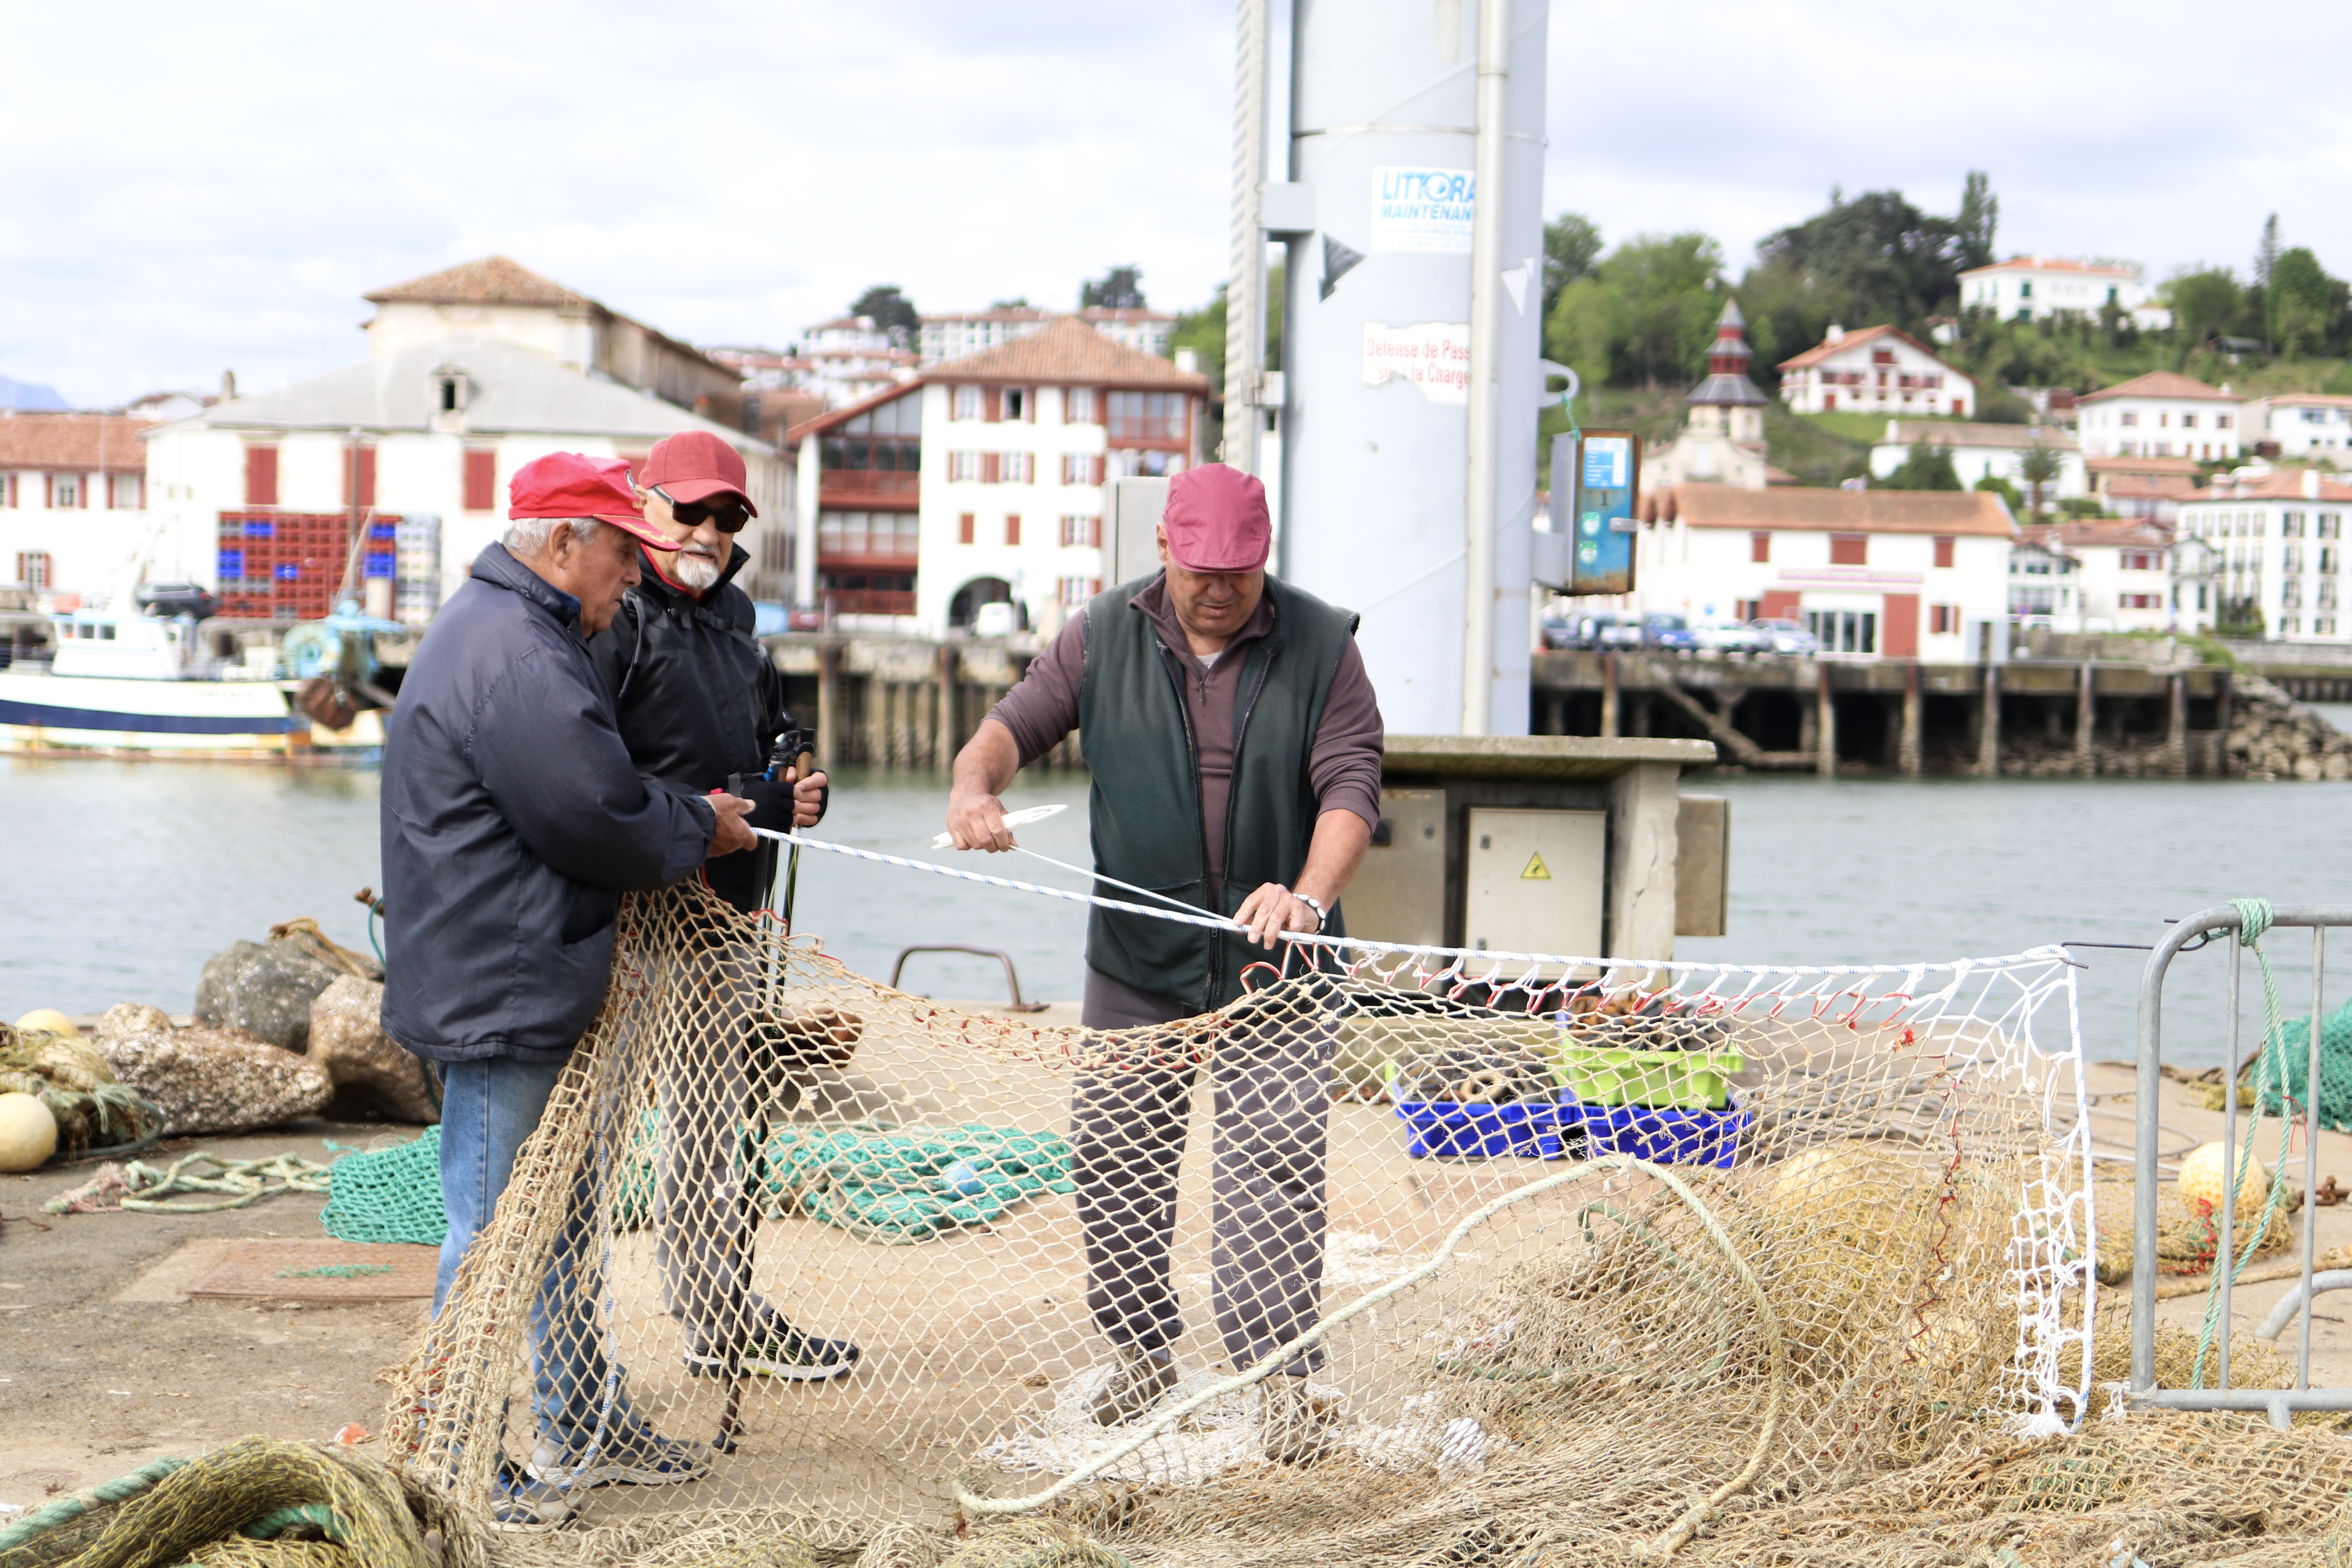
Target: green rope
2254, 917
335, 1271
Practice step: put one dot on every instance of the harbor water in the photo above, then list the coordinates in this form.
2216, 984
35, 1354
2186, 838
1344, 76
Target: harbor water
124, 876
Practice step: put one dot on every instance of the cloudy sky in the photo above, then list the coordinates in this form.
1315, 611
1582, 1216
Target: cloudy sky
184, 189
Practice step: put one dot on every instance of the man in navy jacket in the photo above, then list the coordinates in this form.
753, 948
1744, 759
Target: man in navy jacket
513, 820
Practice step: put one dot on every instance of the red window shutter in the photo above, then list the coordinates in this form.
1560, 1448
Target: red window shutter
1094, 539
481, 481
1780, 605
1849, 550
261, 475
991, 464
49, 491
1100, 470
992, 405
1012, 528
966, 526
1943, 550
359, 474
1759, 546
1901, 637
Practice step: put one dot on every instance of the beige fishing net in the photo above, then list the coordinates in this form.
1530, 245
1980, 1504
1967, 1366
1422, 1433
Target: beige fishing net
1398, 1259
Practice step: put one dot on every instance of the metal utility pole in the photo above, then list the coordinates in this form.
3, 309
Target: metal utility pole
1246, 287
1486, 368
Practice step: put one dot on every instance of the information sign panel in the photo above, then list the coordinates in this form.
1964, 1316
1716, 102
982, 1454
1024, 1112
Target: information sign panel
1600, 474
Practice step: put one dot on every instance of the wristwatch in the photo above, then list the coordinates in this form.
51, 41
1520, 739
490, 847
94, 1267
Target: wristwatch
1322, 915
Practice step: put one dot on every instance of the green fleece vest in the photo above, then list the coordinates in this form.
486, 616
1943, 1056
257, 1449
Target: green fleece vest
1146, 800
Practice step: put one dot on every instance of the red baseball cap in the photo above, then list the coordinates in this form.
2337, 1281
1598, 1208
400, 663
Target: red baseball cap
1216, 520
573, 484
695, 465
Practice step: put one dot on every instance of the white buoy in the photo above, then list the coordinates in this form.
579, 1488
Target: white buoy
29, 1133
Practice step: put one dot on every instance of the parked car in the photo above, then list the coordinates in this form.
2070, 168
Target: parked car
996, 619
1784, 637
1668, 632
1731, 638
1575, 629
1619, 632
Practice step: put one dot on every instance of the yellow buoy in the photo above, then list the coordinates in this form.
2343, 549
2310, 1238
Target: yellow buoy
48, 1021
29, 1133
2204, 1179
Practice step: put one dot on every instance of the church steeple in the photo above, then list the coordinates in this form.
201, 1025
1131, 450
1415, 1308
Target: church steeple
1727, 401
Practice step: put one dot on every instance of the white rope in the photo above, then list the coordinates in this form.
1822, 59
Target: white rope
1492, 959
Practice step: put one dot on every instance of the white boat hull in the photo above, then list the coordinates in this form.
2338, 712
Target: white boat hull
48, 714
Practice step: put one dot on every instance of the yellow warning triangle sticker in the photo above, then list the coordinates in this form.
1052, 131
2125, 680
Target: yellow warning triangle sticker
1536, 870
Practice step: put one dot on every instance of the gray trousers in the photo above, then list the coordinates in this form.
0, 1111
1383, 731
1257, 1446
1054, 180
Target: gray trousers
1272, 1111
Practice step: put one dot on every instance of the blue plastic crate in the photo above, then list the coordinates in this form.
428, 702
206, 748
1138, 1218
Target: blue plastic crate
1662, 1137
1448, 1130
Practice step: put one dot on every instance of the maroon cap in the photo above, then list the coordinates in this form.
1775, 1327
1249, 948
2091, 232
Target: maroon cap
573, 484
1216, 520
695, 465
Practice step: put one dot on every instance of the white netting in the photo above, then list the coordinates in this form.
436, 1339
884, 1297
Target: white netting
1581, 1251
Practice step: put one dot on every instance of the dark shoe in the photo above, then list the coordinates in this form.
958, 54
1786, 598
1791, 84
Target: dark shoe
1140, 1380
780, 1351
521, 1505
635, 1457
1296, 1425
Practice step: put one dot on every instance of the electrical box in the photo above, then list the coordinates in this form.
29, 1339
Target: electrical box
1398, 894
1533, 880
1600, 474
1130, 537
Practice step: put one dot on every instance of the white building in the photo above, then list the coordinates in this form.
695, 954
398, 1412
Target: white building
501, 299
2278, 536
2160, 414
1878, 369
2045, 288
73, 503
1982, 451
1889, 573
2301, 424
255, 495
981, 481
960, 333
2119, 580
849, 358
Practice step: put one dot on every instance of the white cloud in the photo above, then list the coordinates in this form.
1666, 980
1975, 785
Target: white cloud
192, 188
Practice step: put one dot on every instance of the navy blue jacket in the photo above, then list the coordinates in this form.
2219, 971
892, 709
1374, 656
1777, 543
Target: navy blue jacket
513, 820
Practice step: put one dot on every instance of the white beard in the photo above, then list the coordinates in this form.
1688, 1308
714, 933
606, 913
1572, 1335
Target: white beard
699, 572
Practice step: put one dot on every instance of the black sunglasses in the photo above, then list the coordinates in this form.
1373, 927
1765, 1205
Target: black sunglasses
728, 517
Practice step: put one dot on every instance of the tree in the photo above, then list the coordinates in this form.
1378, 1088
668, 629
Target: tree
1927, 468
2206, 302
2306, 306
1979, 216
1121, 289
1018, 302
2037, 468
891, 311
2266, 251
1571, 246
1646, 314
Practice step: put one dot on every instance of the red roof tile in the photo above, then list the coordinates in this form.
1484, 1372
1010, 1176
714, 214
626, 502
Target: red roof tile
1068, 352
2051, 264
1836, 511
2279, 484
492, 280
2162, 384
2097, 532
64, 443
2143, 466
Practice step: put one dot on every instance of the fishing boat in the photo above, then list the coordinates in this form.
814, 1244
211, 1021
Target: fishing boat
139, 685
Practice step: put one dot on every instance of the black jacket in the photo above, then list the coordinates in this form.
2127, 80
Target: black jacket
698, 701
512, 822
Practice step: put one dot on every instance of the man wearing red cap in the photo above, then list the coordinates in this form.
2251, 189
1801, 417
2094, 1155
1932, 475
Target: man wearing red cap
512, 820
701, 707
1234, 741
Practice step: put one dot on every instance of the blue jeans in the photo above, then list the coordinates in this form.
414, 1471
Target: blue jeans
488, 1109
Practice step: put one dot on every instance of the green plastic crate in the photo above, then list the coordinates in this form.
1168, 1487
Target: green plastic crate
1670, 1080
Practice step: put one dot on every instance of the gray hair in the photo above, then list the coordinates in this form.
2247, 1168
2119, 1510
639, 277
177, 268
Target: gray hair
529, 535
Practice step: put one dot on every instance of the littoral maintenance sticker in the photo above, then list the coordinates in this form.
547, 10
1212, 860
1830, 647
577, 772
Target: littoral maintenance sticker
1536, 870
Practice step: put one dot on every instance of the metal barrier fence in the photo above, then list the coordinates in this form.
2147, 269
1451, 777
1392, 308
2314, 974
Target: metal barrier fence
2142, 1392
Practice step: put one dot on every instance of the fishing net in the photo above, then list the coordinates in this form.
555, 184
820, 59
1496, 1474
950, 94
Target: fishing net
1567, 1257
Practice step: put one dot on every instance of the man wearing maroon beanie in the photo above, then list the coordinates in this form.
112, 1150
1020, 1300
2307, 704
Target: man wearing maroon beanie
1235, 744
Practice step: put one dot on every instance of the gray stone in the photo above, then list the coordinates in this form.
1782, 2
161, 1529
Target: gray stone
126, 1018
264, 990
373, 1076
209, 1081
